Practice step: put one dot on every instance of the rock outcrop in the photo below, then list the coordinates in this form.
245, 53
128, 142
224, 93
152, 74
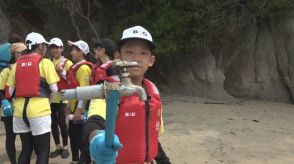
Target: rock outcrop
254, 62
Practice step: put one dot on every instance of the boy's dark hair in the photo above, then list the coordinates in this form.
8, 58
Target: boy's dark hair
90, 58
105, 43
14, 38
121, 43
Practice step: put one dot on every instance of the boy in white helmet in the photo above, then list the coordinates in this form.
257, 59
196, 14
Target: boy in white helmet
33, 78
138, 122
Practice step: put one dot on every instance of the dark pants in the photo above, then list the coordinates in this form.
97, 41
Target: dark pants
10, 139
41, 145
75, 131
161, 157
91, 125
58, 119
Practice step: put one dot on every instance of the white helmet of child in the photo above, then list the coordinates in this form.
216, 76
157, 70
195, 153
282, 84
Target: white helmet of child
82, 45
137, 32
34, 38
56, 41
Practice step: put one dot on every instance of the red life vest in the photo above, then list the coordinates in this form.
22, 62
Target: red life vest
99, 74
62, 84
94, 67
71, 74
137, 127
28, 81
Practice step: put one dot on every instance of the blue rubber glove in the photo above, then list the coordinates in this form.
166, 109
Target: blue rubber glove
100, 152
7, 108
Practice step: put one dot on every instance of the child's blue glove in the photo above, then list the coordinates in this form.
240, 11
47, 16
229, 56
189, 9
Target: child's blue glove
7, 108
100, 152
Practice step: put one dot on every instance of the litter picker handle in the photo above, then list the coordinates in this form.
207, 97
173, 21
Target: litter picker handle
111, 113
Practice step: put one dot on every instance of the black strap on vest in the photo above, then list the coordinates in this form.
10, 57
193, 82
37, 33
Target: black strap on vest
24, 112
147, 111
147, 107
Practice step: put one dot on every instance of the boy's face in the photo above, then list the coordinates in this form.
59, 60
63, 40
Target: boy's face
98, 52
55, 51
76, 54
139, 51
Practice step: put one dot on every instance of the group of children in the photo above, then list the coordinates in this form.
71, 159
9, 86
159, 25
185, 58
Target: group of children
32, 83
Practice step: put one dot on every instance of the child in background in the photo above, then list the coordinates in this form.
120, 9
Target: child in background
81, 72
16, 50
58, 113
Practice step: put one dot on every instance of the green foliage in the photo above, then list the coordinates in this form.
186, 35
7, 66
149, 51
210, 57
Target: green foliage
179, 26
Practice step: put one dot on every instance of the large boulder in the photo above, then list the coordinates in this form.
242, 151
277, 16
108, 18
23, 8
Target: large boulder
254, 72
194, 74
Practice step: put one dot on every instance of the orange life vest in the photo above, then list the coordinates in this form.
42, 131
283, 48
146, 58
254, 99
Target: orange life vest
28, 81
71, 74
137, 126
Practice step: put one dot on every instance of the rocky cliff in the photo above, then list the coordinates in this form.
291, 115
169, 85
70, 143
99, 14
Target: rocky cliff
253, 62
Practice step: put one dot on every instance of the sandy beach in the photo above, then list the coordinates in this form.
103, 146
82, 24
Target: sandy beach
211, 132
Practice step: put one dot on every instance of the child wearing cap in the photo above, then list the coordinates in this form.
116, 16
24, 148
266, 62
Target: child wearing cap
16, 49
136, 139
103, 52
81, 72
30, 80
58, 113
